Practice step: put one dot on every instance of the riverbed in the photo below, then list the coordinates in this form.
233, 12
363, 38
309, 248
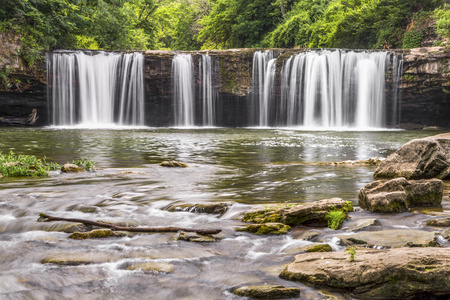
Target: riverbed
245, 167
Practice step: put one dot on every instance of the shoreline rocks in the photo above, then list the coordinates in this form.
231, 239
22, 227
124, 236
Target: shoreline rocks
267, 291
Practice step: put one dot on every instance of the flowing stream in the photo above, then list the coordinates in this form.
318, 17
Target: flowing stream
243, 166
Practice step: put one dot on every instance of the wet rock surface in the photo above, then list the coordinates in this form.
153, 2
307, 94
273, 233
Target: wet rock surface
195, 237
266, 228
391, 238
377, 274
71, 168
267, 292
441, 222
399, 194
152, 267
202, 208
418, 159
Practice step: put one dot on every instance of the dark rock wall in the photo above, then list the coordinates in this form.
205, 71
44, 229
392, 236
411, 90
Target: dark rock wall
425, 85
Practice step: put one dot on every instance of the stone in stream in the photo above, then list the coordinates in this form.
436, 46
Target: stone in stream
400, 273
152, 267
391, 238
418, 159
266, 228
399, 194
312, 213
95, 234
363, 224
75, 259
319, 248
202, 208
441, 222
267, 291
173, 164
195, 237
71, 168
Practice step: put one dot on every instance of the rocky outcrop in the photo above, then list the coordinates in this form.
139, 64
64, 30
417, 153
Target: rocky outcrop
399, 194
312, 213
267, 291
401, 273
421, 158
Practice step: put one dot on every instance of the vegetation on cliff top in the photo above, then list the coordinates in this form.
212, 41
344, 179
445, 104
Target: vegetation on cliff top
217, 24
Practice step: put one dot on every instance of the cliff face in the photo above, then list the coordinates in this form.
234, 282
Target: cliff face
425, 85
22, 88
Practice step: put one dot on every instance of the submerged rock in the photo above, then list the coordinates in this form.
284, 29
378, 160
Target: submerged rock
173, 164
391, 238
419, 159
152, 267
310, 235
195, 237
267, 291
71, 168
378, 274
399, 194
373, 161
266, 228
363, 224
312, 213
203, 208
75, 259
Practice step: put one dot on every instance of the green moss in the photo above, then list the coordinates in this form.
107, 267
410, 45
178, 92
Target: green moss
319, 248
266, 228
94, 234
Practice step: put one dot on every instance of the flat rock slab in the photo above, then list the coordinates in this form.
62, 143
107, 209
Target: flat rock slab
76, 259
418, 159
377, 274
152, 267
266, 228
267, 291
393, 238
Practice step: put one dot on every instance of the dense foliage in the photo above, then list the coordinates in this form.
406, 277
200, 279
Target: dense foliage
215, 24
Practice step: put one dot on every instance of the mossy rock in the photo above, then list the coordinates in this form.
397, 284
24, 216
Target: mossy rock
202, 208
320, 248
71, 168
95, 234
152, 267
173, 164
442, 222
267, 291
266, 228
76, 259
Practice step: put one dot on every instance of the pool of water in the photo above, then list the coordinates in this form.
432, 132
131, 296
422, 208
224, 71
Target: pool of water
243, 166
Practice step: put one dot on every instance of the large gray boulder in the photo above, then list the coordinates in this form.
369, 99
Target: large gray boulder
418, 159
400, 273
399, 194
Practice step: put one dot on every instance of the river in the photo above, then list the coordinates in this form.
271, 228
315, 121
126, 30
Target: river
242, 166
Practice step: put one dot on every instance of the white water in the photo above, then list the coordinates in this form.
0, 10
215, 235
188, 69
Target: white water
208, 93
326, 89
183, 89
98, 89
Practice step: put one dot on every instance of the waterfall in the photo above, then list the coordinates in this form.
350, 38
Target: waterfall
96, 88
263, 75
331, 89
183, 89
207, 90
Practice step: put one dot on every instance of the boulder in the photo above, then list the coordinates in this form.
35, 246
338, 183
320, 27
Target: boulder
399, 194
391, 238
418, 159
71, 168
173, 164
267, 291
266, 228
400, 273
312, 213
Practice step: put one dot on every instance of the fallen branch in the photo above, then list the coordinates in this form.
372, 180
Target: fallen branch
47, 218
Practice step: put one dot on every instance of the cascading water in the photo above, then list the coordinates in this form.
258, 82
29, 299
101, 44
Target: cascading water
325, 89
183, 89
208, 93
263, 77
96, 89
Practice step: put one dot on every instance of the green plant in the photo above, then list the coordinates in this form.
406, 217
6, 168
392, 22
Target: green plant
352, 253
12, 165
86, 163
335, 218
